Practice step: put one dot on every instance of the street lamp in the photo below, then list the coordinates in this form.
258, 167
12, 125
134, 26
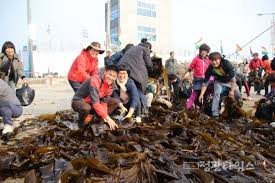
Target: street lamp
272, 30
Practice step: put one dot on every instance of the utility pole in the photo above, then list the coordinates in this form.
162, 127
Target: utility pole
108, 19
49, 47
30, 41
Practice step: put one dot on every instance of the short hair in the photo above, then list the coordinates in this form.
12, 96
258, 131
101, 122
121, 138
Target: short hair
172, 77
111, 68
124, 67
171, 52
215, 56
8, 44
265, 57
127, 47
143, 40
255, 54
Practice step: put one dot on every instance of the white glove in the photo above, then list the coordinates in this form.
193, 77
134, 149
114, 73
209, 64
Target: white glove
123, 110
130, 113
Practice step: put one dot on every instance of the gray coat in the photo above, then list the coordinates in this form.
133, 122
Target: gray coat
17, 66
7, 94
171, 66
137, 58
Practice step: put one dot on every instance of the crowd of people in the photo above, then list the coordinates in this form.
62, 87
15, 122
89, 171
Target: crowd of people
132, 80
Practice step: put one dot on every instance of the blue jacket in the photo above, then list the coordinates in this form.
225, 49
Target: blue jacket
131, 91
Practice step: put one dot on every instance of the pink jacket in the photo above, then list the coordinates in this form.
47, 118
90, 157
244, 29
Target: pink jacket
199, 66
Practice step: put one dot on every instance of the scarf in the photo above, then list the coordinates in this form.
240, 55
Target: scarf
122, 85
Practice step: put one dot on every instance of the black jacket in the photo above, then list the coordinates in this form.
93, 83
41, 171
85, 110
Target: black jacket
226, 77
137, 58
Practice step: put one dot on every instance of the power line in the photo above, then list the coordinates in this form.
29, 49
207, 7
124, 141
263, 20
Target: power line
250, 41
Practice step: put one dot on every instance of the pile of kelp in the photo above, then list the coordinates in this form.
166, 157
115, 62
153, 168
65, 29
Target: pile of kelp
169, 146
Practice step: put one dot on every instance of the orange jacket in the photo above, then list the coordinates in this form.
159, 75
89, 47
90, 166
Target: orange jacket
96, 92
83, 67
267, 66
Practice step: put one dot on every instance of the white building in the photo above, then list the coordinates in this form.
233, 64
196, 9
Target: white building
127, 21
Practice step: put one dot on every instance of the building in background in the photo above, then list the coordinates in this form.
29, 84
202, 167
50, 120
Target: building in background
129, 21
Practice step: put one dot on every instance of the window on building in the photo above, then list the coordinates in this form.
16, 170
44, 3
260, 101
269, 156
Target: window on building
146, 9
114, 12
147, 32
114, 36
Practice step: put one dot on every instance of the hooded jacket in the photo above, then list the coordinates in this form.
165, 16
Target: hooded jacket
83, 67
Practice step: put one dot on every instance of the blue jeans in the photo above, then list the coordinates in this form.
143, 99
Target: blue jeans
218, 88
9, 110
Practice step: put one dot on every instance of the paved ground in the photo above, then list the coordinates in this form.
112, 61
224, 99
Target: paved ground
49, 99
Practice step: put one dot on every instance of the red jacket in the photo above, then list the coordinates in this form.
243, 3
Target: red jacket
199, 65
254, 64
83, 67
95, 92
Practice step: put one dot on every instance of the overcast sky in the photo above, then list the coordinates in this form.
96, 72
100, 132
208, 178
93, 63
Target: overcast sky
232, 21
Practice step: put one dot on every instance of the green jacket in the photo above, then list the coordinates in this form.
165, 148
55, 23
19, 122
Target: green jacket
16, 64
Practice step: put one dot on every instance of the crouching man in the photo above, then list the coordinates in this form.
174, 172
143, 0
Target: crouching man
126, 96
224, 74
92, 96
10, 106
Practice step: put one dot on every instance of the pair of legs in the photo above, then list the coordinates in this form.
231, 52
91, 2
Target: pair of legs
75, 85
190, 101
218, 89
246, 87
243, 81
83, 108
266, 83
113, 105
9, 110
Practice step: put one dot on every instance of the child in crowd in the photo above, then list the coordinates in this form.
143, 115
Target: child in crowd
199, 65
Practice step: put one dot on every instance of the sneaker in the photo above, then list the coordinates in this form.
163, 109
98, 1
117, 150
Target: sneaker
272, 124
7, 129
138, 119
1, 126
